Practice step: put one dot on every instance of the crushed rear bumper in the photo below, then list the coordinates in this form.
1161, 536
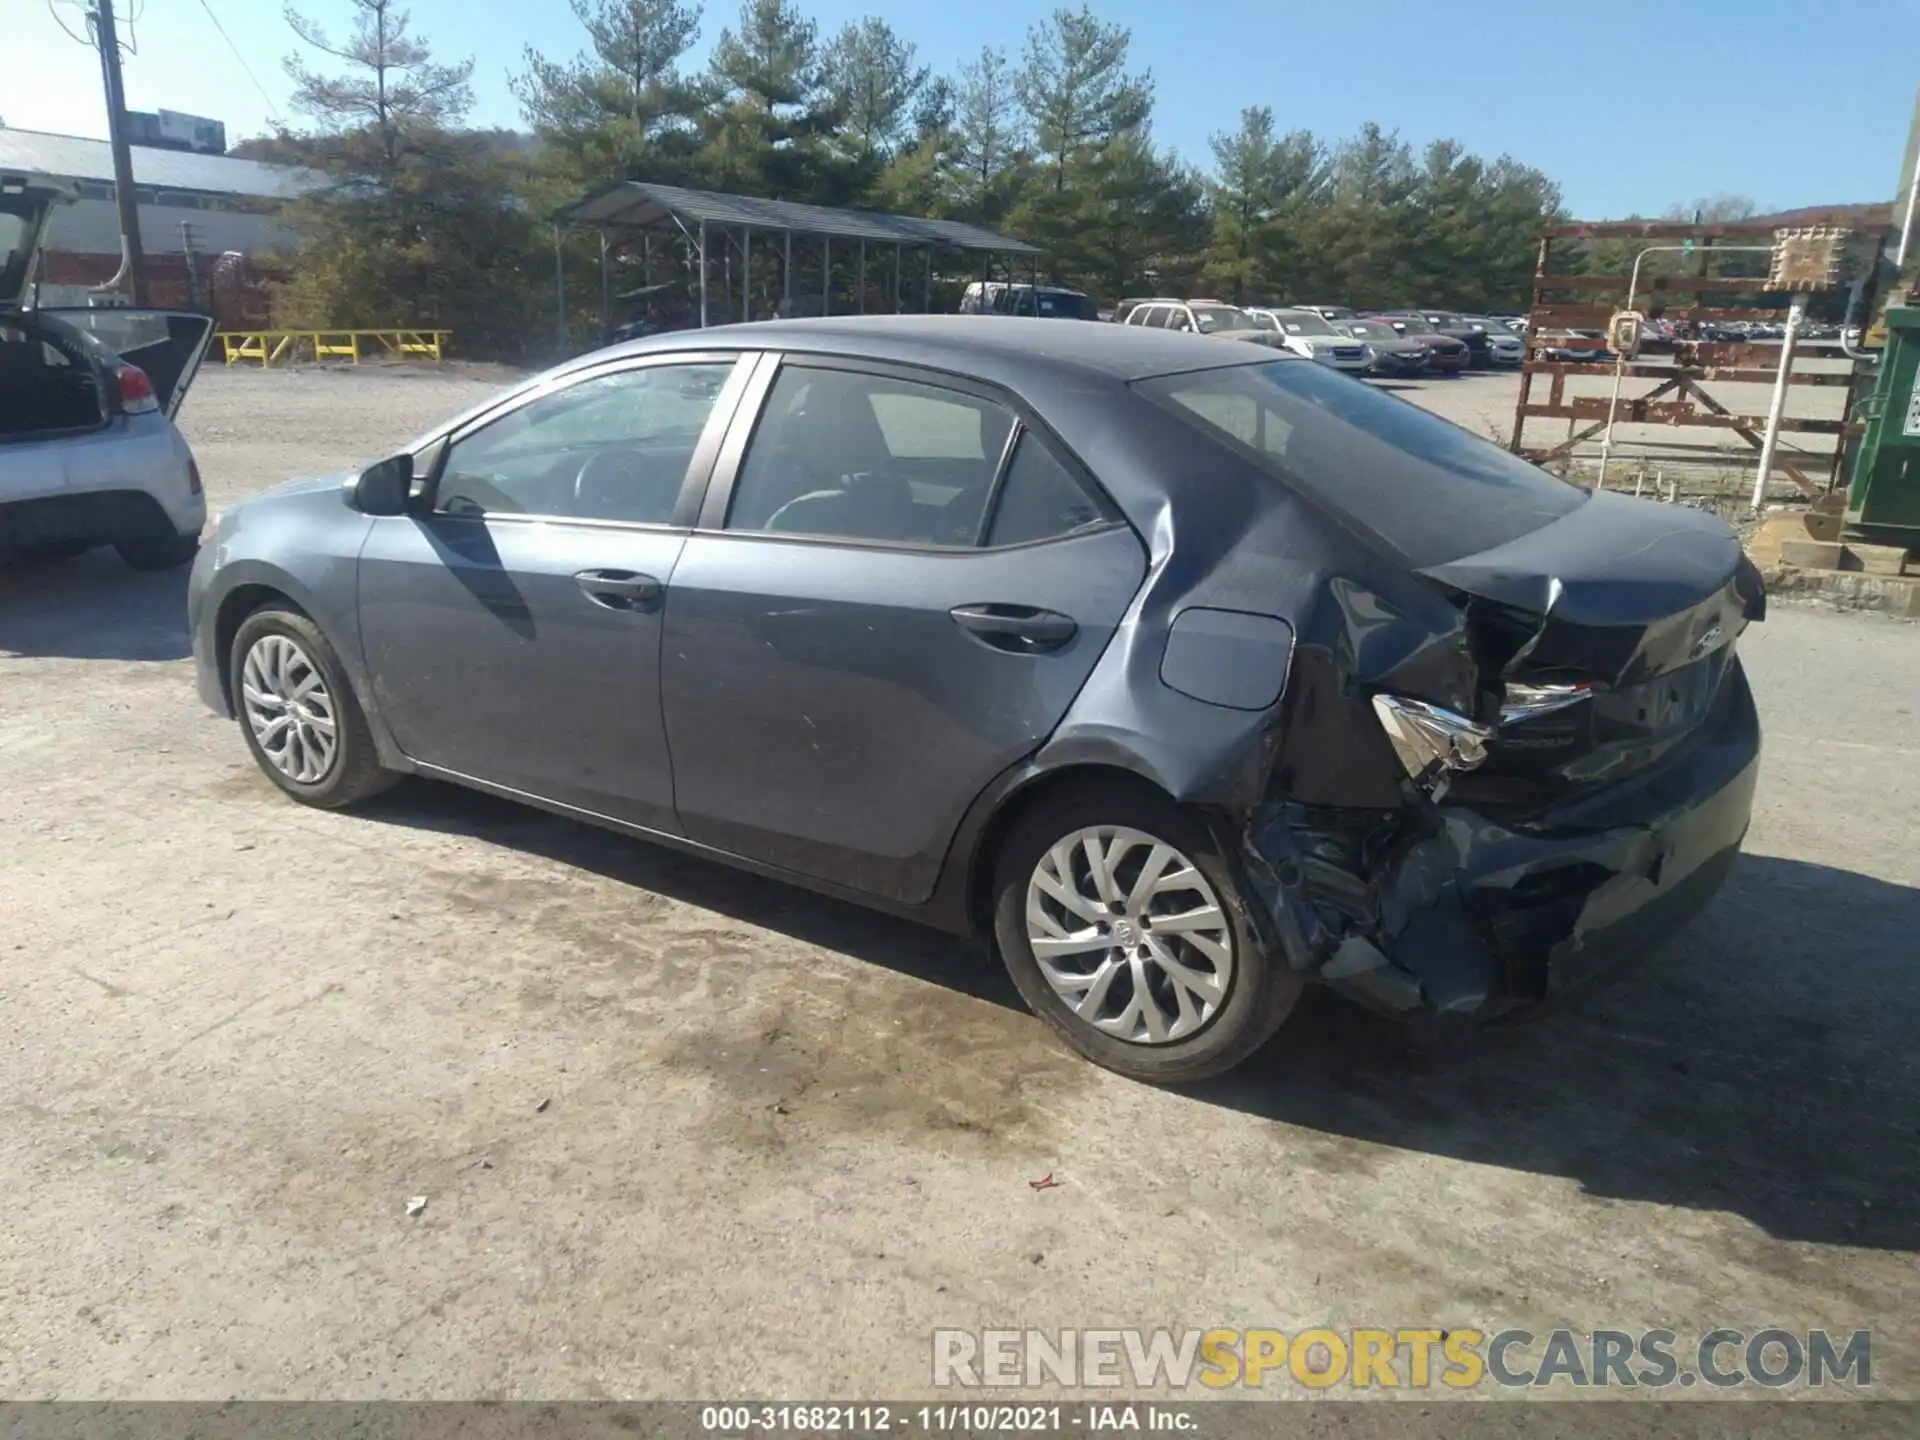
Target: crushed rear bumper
1475, 917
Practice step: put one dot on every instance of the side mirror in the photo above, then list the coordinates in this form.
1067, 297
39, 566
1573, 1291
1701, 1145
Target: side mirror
383, 487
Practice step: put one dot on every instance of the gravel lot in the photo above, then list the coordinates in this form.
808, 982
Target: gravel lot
687, 1133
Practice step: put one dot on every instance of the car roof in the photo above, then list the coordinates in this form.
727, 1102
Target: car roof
1005, 348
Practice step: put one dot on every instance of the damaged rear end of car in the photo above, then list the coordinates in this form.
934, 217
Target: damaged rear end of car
1516, 747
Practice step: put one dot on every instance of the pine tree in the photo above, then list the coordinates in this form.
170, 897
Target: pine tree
1075, 88
874, 81
625, 108
391, 88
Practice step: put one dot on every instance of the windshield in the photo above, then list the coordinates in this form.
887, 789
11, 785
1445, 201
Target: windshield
1411, 325
1214, 318
1431, 490
1302, 322
1371, 330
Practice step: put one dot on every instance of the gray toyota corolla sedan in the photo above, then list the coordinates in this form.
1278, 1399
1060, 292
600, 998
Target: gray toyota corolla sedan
1190, 672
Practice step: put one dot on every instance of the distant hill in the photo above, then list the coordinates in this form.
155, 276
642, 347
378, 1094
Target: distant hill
1853, 215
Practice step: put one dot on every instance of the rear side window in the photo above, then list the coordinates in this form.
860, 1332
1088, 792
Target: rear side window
869, 457
1431, 490
1039, 499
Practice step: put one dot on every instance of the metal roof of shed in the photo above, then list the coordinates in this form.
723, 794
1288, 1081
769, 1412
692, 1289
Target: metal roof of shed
641, 204
74, 157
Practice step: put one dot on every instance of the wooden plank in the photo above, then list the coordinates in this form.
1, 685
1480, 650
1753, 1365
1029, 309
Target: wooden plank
1677, 412
1652, 370
1720, 230
1793, 472
1660, 284
1595, 317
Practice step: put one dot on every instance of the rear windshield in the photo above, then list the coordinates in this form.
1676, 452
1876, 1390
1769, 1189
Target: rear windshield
1432, 491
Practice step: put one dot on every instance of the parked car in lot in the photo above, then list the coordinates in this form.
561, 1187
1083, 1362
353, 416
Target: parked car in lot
1203, 317
1307, 335
88, 451
1464, 329
1046, 302
1338, 314
1394, 354
1504, 346
1191, 673
1446, 354
1584, 347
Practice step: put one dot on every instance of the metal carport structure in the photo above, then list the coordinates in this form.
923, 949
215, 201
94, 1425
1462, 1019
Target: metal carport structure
692, 218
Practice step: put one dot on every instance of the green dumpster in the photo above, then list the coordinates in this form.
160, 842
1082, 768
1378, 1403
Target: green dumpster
1883, 505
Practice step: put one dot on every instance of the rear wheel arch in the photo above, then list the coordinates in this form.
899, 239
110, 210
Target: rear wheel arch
1042, 788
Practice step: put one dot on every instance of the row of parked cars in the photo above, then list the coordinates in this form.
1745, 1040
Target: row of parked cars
1375, 342
1402, 343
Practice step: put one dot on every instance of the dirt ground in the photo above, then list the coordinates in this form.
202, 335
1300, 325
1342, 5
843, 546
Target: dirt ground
686, 1133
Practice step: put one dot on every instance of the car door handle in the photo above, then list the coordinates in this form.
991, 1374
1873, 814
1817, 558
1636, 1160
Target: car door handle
1019, 629
620, 589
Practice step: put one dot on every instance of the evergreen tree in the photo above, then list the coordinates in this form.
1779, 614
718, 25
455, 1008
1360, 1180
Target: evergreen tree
624, 109
391, 88
874, 81
1076, 91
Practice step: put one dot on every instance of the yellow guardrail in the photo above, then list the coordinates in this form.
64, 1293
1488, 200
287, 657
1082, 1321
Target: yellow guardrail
270, 347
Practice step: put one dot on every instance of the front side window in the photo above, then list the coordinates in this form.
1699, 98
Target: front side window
1177, 319
615, 447
843, 454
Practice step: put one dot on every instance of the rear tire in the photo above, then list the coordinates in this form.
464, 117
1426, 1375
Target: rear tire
158, 552
298, 712
1172, 923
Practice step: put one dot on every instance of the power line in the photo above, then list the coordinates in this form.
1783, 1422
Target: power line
273, 111
53, 9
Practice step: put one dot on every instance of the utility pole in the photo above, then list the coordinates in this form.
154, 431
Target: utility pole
133, 261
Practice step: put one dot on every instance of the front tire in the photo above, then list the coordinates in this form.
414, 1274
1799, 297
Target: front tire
300, 716
1122, 925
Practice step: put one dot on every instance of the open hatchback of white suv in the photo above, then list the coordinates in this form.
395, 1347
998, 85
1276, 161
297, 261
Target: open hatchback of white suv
88, 451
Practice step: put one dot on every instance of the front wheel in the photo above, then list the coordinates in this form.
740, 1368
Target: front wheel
299, 715
1123, 928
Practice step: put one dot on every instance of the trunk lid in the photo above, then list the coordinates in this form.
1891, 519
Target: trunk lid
26, 210
167, 344
1602, 638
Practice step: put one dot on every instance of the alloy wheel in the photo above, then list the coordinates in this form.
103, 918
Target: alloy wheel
288, 709
1129, 934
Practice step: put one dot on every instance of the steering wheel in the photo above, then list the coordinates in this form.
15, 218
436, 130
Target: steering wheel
618, 484
802, 512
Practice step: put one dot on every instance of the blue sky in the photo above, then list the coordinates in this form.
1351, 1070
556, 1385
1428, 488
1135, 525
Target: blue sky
1794, 102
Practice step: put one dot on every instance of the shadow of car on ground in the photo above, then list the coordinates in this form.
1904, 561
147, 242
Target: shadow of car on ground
1761, 1066
92, 607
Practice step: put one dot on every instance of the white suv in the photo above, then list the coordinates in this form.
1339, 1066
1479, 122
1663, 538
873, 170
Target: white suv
1202, 317
1314, 336
88, 451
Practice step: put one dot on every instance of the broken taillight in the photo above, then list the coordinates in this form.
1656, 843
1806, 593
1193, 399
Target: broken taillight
1430, 741
136, 390
1523, 701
